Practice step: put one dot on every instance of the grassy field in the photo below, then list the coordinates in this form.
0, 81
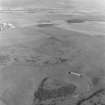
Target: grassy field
51, 51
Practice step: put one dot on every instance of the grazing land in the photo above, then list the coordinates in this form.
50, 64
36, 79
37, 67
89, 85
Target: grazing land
39, 54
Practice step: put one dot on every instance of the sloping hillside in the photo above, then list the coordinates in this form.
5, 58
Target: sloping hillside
54, 54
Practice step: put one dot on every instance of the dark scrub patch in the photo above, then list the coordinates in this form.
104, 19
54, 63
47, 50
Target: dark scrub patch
5, 59
45, 25
55, 61
75, 21
96, 98
43, 94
